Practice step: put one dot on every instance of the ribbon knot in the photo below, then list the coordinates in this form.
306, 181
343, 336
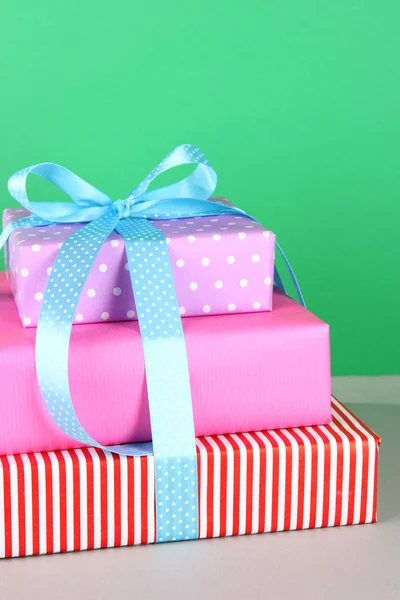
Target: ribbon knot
125, 208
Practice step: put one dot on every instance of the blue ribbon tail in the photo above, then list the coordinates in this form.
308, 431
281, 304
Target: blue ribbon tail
166, 365
278, 279
167, 377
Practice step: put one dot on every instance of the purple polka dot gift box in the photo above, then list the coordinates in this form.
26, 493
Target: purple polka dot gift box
221, 264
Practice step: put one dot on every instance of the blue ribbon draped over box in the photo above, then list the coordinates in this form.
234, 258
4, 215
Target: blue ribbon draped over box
166, 365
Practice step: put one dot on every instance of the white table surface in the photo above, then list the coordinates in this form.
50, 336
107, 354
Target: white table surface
361, 561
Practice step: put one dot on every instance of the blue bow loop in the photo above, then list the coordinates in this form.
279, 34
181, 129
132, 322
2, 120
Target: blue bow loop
88, 204
199, 185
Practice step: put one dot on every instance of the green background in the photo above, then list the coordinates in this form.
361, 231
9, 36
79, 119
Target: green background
296, 104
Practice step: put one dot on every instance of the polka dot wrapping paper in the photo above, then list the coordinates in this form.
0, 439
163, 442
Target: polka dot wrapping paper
221, 265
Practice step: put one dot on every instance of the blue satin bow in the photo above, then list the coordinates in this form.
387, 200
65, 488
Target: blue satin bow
167, 373
188, 197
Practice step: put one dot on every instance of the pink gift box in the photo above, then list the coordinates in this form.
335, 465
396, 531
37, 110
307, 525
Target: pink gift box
282, 379
221, 265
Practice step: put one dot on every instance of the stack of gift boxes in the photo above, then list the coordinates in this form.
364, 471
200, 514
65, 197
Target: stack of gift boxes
274, 450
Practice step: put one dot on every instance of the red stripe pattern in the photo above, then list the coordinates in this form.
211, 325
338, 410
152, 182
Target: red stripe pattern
248, 483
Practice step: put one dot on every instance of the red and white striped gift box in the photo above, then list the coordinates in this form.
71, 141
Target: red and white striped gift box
249, 483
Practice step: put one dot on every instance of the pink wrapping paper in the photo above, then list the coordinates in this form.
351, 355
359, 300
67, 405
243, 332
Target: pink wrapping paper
248, 372
221, 265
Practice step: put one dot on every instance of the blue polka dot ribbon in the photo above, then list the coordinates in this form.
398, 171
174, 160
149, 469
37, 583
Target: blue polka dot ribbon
166, 365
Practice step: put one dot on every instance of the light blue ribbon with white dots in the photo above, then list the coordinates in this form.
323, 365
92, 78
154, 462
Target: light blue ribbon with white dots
166, 365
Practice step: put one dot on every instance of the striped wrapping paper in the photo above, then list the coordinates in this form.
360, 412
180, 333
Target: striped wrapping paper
249, 483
